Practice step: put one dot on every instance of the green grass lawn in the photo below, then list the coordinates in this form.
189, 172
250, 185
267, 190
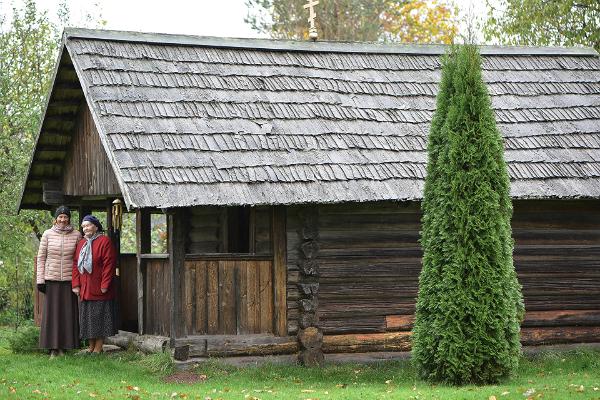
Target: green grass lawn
572, 375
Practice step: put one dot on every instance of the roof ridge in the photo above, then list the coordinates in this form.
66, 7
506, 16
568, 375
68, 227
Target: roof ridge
308, 46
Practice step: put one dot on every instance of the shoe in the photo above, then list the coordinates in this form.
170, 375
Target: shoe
53, 353
60, 353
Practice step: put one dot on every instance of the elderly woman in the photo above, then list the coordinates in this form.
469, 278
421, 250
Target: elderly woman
59, 330
94, 268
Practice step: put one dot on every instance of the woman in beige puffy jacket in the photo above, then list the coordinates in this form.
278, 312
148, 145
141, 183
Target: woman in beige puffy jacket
60, 327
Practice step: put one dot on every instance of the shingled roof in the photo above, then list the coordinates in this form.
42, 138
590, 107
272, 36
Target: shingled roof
197, 121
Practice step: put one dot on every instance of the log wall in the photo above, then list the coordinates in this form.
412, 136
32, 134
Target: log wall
557, 257
369, 262
87, 171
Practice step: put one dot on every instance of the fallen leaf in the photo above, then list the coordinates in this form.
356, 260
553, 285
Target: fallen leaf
341, 385
504, 393
307, 391
388, 381
529, 392
492, 397
93, 394
580, 389
36, 391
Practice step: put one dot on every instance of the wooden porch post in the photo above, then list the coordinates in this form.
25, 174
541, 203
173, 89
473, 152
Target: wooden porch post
143, 246
176, 248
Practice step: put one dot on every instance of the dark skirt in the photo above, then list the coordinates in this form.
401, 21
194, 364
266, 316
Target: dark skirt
98, 318
59, 329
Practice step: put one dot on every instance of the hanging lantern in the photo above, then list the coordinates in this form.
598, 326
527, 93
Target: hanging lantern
117, 214
117, 223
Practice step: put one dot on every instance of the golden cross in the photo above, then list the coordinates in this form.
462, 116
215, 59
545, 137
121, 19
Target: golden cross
312, 32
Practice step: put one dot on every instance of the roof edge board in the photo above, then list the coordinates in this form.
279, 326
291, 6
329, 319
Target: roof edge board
103, 137
307, 46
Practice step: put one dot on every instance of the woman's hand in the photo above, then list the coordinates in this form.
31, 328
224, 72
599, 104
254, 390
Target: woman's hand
103, 290
76, 290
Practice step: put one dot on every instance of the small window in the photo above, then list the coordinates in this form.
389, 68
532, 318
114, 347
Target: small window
240, 230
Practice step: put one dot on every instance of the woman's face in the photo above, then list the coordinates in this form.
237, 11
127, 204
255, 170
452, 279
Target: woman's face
63, 220
88, 229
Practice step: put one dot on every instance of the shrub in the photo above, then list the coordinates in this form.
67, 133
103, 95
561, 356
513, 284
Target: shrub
469, 305
25, 340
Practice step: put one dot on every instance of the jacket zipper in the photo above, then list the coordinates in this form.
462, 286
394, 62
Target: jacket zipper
62, 253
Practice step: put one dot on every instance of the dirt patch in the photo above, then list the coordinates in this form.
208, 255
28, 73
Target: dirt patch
185, 377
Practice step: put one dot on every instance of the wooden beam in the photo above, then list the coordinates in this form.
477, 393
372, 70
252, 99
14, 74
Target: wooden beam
52, 193
394, 341
143, 246
176, 249
279, 271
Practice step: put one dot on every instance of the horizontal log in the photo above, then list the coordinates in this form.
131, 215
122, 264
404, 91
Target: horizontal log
353, 291
556, 236
562, 318
368, 208
399, 322
357, 253
238, 345
577, 334
369, 240
358, 343
556, 252
555, 206
558, 302
227, 257
144, 343
532, 319
366, 324
557, 287
203, 235
374, 307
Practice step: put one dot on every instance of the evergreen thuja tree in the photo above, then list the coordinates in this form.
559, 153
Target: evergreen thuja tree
469, 306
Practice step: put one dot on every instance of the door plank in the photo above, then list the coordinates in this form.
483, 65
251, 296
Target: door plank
242, 297
227, 318
213, 297
266, 297
201, 297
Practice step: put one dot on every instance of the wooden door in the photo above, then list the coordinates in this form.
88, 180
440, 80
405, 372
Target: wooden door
228, 297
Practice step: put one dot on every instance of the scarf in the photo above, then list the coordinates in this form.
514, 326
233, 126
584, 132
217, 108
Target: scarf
66, 229
85, 255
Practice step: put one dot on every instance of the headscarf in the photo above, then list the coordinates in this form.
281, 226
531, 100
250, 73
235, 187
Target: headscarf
93, 220
85, 255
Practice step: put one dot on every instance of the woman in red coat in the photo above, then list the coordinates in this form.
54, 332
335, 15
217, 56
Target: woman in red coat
94, 267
